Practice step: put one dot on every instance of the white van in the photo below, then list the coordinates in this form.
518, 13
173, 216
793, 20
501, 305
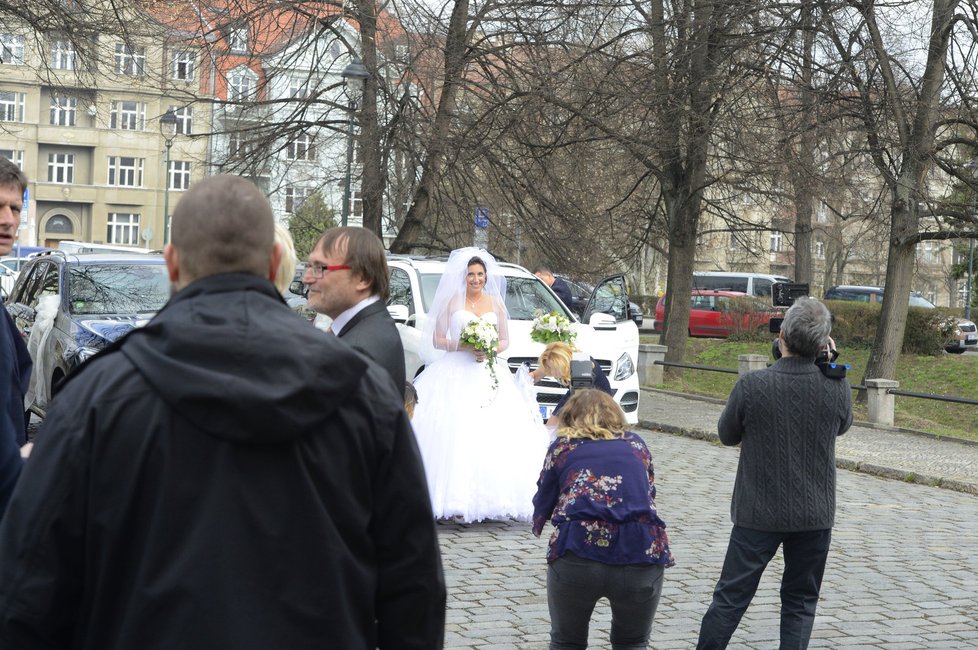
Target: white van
90, 247
605, 332
753, 284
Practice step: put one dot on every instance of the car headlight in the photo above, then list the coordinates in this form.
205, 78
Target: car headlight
626, 368
84, 354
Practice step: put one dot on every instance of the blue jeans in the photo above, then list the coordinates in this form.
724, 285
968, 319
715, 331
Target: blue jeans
574, 586
748, 554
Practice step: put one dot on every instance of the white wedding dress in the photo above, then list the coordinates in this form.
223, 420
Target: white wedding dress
483, 448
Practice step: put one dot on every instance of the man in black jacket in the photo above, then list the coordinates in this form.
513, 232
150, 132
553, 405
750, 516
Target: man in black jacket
15, 361
348, 280
225, 477
561, 288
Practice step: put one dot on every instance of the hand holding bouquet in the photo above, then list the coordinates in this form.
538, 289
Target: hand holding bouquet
483, 337
548, 328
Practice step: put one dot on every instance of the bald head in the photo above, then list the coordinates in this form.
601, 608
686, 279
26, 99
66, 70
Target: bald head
224, 224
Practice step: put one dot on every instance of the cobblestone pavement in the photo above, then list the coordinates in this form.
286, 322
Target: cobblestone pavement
902, 573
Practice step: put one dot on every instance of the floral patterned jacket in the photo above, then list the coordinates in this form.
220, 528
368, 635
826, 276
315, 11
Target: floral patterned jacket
600, 496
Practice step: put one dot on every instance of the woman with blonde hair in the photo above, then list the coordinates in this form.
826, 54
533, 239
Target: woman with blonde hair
286, 266
555, 361
597, 487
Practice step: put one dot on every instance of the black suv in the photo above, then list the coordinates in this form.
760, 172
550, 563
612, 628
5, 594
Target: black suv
68, 307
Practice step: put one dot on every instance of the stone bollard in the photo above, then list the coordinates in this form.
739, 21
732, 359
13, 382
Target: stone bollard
750, 362
880, 401
649, 372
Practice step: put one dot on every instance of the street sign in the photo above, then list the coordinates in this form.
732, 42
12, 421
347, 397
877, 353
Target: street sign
482, 217
23, 211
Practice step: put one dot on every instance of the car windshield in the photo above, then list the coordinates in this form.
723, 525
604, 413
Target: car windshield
524, 296
117, 288
919, 301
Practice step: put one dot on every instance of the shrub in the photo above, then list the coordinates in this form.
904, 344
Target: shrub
856, 322
749, 318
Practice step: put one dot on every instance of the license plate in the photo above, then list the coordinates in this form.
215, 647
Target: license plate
972, 337
546, 410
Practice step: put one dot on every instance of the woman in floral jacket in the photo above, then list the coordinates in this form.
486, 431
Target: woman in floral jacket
598, 489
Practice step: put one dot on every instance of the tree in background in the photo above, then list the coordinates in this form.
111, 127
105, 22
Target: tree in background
308, 222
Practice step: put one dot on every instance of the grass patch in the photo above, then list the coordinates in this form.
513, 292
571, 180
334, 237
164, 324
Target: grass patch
949, 374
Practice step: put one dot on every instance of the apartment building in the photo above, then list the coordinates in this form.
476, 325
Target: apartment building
82, 119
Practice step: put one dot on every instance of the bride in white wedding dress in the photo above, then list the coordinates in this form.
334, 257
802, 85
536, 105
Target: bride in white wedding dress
483, 445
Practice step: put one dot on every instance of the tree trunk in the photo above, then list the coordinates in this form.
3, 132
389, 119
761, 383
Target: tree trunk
373, 179
456, 44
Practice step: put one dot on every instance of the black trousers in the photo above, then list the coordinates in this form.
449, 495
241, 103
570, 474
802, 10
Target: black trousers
574, 586
747, 556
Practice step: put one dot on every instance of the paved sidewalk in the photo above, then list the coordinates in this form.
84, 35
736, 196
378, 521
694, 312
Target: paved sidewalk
882, 451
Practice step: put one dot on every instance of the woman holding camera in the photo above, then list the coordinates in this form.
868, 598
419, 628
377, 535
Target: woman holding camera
597, 487
555, 361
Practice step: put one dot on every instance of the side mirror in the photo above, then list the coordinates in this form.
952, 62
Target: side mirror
602, 321
398, 312
298, 288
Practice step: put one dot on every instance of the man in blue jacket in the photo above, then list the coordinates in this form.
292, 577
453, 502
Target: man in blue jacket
225, 477
15, 362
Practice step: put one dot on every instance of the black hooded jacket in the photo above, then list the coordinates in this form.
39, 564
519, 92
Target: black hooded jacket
225, 477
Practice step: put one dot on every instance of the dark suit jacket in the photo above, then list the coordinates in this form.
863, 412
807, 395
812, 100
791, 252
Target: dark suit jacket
372, 331
563, 292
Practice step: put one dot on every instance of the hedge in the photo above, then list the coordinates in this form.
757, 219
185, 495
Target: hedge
856, 322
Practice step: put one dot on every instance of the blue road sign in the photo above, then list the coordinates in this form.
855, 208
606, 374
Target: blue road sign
482, 217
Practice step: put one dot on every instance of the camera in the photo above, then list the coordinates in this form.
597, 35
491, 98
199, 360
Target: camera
784, 294
825, 359
582, 375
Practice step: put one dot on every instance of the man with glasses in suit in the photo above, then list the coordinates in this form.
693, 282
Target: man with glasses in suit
348, 280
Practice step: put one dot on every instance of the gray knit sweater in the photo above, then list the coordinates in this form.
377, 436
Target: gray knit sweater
786, 419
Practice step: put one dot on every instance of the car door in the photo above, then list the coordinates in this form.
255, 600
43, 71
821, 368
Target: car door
22, 305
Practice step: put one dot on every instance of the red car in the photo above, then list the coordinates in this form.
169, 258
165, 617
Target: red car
716, 313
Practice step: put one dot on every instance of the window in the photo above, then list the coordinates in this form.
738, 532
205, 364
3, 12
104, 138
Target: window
16, 156
356, 204
11, 49
819, 249
185, 119
12, 106
182, 65
777, 240
299, 88
238, 40
238, 145
929, 252
122, 228
61, 168
241, 86
400, 290
300, 147
127, 115
63, 55
178, 177
63, 110
295, 197
130, 60
125, 171
59, 224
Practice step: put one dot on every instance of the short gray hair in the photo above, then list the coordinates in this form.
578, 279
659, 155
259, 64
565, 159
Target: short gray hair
806, 327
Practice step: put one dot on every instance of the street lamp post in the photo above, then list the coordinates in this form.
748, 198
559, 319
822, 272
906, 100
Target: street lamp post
167, 120
354, 75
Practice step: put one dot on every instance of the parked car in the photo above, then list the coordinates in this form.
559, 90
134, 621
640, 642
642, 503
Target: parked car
711, 314
753, 284
93, 299
963, 337
605, 330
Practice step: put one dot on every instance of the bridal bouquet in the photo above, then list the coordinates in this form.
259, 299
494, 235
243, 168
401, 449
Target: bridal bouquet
484, 337
551, 327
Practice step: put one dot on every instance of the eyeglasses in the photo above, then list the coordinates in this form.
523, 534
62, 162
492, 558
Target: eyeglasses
319, 270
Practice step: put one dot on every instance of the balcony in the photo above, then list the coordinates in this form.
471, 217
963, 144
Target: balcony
67, 135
